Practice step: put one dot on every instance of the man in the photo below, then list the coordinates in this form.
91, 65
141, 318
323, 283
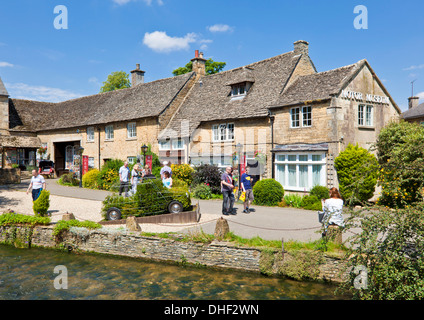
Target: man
37, 184
227, 192
124, 175
165, 168
246, 185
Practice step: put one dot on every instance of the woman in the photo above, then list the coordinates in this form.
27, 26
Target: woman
167, 180
135, 177
333, 209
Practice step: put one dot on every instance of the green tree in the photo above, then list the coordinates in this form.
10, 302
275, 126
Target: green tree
115, 81
400, 151
212, 67
357, 171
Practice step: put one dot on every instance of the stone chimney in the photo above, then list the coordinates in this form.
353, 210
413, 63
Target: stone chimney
413, 102
137, 76
4, 110
301, 47
199, 63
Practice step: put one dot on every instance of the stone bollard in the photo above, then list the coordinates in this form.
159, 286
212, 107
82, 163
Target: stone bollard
221, 228
132, 224
68, 216
334, 233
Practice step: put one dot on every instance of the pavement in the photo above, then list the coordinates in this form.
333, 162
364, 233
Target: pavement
269, 223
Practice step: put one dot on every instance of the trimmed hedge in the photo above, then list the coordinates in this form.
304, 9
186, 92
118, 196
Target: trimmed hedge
268, 192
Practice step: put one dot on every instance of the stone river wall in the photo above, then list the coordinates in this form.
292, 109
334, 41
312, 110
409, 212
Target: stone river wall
217, 254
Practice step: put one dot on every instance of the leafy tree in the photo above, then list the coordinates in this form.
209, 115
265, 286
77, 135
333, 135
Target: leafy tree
389, 251
115, 81
212, 67
357, 173
400, 150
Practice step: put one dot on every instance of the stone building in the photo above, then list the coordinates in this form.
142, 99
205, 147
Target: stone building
415, 112
279, 116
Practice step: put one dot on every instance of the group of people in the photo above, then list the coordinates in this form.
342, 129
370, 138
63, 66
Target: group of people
228, 187
138, 173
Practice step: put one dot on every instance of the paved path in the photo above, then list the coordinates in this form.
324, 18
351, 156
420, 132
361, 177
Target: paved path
269, 223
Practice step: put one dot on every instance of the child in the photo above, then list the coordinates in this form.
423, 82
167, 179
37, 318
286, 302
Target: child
167, 180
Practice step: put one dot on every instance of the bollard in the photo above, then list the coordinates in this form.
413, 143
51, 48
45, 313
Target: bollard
221, 228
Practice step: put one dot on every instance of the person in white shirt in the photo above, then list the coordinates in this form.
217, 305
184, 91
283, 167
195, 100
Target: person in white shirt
124, 175
333, 208
37, 184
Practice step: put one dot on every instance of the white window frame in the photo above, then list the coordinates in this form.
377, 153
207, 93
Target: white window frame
365, 115
131, 130
165, 145
239, 90
109, 133
132, 160
90, 134
178, 144
300, 116
223, 132
309, 162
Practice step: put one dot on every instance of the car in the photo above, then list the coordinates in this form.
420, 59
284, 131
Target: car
46, 168
151, 198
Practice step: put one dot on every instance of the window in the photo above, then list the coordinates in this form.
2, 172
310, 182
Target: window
300, 172
131, 130
90, 134
239, 90
365, 115
298, 118
165, 145
223, 132
109, 132
132, 160
91, 162
178, 144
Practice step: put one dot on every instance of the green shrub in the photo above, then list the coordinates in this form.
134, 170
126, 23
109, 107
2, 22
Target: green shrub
109, 174
210, 175
320, 192
183, 172
62, 225
357, 171
12, 218
311, 203
293, 200
128, 206
42, 204
268, 192
202, 191
68, 179
89, 180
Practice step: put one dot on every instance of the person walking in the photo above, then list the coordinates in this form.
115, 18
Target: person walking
37, 184
227, 188
124, 173
135, 177
246, 186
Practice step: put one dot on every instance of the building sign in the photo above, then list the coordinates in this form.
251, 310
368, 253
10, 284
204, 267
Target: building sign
352, 95
84, 165
149, 161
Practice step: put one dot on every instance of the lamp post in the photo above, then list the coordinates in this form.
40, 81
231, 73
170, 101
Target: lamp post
80, 151
144, 150
239, 148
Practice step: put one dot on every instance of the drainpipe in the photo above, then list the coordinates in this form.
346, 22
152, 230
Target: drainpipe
271, 119
98, 129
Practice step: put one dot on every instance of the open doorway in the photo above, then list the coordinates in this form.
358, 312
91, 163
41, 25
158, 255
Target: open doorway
65, 156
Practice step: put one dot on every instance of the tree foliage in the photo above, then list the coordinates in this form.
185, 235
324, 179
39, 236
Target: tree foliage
357, 173
115, 81
400, 150
212, 67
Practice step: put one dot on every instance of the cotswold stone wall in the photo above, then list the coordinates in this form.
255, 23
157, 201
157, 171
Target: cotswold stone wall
214, 254
8, 176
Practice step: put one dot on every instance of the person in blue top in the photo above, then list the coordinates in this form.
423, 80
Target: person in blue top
167, 180
246, 185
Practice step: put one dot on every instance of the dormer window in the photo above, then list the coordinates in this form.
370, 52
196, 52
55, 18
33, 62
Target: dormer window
238, 90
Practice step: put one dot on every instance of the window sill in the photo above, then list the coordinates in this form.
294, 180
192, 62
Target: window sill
108, 140
89, 141
131, 139
370, 128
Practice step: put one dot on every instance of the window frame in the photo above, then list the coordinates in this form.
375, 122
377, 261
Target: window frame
132, 130
300, 115
365, 115
109, 133
164, 145
90, 134
223, 131
175, 143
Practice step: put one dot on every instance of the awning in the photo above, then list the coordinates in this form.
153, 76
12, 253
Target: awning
300, 147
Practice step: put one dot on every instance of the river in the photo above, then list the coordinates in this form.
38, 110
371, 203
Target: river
30, 274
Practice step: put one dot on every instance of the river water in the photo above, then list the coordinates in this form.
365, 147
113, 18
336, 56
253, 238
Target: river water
30, 274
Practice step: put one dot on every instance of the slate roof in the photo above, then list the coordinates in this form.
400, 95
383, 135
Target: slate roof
142, 101
211, 99
416, 112
301, 147
20, 142
318, 86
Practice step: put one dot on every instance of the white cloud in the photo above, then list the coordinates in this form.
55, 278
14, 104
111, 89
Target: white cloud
420, 95
220, 28
39, 93
204, 43
159, 41
5, 64
421, 66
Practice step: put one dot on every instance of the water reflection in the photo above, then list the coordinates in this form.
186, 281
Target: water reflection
28, 274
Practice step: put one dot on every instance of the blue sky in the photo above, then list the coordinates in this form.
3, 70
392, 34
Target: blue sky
40, 62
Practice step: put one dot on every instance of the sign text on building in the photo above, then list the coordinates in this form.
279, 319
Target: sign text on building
360, 97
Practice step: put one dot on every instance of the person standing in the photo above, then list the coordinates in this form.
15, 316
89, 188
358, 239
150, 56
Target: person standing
167, 180
37, 184
124, 173
227, 188
135, 177
166, 167
246, 186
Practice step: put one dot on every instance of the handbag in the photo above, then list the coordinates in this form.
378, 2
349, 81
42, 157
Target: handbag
321, 215
242, 196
